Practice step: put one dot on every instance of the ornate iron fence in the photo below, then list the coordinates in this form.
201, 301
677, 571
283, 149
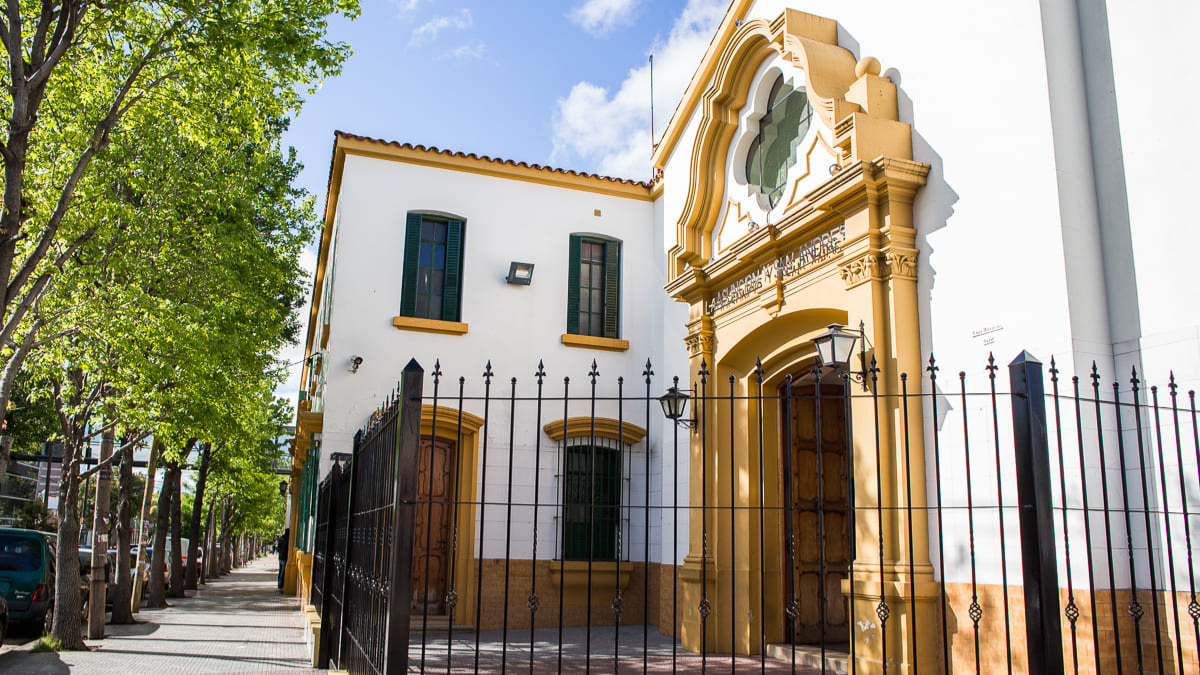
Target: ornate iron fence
792, 524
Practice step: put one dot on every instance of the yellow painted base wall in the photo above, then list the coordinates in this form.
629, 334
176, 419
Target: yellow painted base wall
574, 613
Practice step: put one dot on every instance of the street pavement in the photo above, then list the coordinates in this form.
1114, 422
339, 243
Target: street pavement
236, 624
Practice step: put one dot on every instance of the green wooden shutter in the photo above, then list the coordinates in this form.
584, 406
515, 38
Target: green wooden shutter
412, 249
453, 275
612, 289
573, 285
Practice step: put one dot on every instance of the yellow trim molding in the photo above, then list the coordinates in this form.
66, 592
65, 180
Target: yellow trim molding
601, 427
430, 325
463, 429
446, 421
591, 342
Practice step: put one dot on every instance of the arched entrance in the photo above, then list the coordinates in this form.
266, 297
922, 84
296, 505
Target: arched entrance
814, 484
841, 249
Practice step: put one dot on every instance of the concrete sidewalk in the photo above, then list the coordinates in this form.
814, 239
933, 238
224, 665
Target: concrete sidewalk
236, 624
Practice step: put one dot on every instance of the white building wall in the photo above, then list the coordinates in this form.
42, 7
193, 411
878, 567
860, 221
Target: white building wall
513, 327
1010, 248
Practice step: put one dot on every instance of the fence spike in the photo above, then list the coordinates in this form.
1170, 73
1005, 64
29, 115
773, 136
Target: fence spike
594, 372
437, 371
758, 369
541, 372
1172, 386
647, 372
991, 366
1133, 377
933, 368
487, 372
1095, 375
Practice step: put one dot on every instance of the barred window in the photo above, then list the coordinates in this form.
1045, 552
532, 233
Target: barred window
591, 498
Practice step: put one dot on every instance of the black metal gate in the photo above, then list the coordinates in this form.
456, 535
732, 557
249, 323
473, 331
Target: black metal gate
1037, 532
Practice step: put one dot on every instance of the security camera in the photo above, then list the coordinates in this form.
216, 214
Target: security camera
355, 362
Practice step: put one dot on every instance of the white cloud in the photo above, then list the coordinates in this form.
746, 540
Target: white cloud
428, 32
468, 52
610, 133
404, 6
600, 16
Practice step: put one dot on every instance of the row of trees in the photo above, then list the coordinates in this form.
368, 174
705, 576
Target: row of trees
149, 238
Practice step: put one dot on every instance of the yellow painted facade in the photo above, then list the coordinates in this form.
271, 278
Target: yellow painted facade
868, 276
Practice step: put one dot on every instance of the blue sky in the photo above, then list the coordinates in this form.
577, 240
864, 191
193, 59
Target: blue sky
563, 83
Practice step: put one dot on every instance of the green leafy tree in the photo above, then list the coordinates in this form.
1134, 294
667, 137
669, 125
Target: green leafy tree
78, 72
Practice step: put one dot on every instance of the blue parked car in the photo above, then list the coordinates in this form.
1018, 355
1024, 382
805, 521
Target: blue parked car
27, 576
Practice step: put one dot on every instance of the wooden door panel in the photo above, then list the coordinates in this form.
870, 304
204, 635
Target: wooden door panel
434, 511
819, 502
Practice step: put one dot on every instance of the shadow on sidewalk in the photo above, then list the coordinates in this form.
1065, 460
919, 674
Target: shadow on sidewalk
43, 663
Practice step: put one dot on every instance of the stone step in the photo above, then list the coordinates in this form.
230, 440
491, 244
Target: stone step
435, 624
836, 656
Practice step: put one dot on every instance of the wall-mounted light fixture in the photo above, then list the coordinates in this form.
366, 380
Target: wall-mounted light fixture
283, 488
835, 347
340, 459
355, 362
520, 273
674, 405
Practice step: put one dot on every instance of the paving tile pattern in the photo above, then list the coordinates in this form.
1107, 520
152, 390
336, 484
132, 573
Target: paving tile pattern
238, 625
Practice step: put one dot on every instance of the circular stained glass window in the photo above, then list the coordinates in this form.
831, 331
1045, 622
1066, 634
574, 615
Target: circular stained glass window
780, 131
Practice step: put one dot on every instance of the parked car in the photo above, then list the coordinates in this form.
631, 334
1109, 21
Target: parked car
27, 576
85, 578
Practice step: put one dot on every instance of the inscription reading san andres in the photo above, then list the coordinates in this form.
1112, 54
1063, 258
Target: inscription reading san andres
784, 267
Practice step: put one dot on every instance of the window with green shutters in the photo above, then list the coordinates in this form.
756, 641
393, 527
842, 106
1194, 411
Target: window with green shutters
591, 500
432, 268
594, 286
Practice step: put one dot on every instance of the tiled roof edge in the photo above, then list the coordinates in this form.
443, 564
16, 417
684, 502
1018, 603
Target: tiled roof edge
494, 160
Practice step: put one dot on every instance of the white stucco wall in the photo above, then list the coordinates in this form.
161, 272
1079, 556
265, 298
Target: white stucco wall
514, 327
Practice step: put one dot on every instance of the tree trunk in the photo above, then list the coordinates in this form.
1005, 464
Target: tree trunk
122, 612
66, 626
176, 560
210, 535
226, 519
135, 599
99, 584
190, 574
5, 452
158, 559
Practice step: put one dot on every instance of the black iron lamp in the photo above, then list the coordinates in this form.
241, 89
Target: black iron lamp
674, 405
283, 488
835, 347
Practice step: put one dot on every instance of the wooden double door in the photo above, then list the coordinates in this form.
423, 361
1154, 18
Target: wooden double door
433, 526
815, 427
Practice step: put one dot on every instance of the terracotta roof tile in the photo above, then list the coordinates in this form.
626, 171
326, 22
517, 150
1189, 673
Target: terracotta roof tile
494, 160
